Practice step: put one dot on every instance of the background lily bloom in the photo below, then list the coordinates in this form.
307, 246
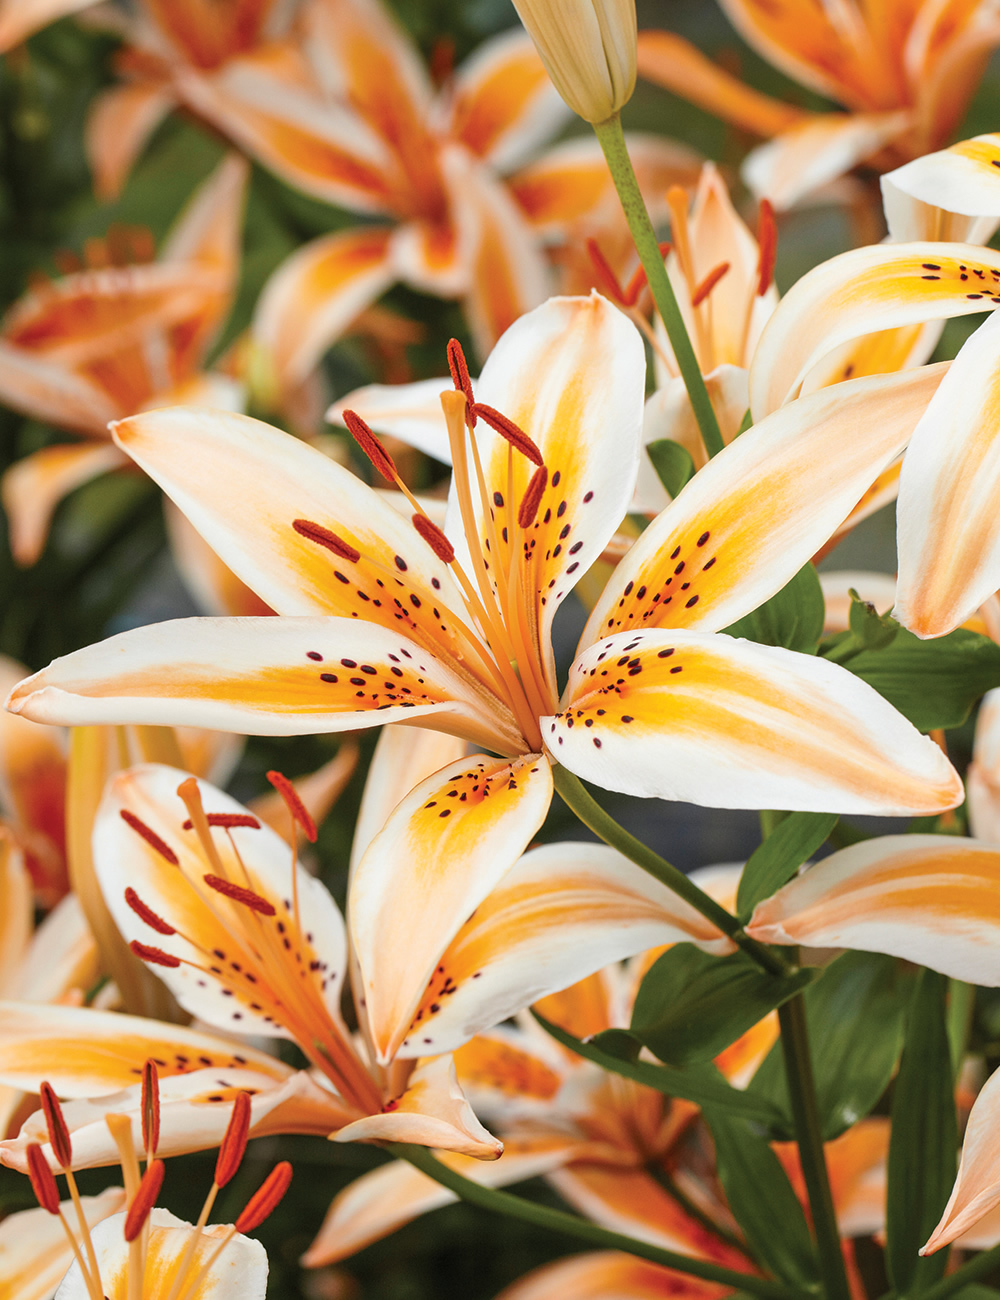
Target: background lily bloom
116, 337
905, 77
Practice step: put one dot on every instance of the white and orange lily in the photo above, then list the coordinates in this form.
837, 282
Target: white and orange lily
34, 1251
903, 74
121, 335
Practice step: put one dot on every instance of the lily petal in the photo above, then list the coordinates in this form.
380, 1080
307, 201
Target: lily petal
750, 518
87, 1053
948, 533
983, 776
16, 909
512, 1074
704, 718
50, 391
60, 959
977, 1187
431, 256
119, 125
562, 912
259, 677
928, 898
952, 194
20, 18
34, 1251
315, 295
381, 1201
878, 287
410, 412
33, 487
432, 1112
443, 849
608, 1275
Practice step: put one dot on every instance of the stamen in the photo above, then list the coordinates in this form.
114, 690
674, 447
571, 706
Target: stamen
434, 538
150, 1108
532, 498
605, 276
767, 239
150, 836
266, 1199
156, 956
324, 537
227, 821
43, 1182
460, 378
248, 897
371, 446
62, 1146
145, 1199
234, 1144
708, 284
191, 795
294, 804
508, 429
147, 914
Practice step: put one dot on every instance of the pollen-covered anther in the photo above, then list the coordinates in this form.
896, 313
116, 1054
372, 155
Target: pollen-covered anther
146, 913
708, 284
234, 1143
144, 1200
767, 240
507, 429
150, 836
314, 532
62, 1146
43, 1182
532, 498
227, 821
434, 538
266, 1199
459, 369
150, 1107
155, 956
239, 894
371, 446
295, 806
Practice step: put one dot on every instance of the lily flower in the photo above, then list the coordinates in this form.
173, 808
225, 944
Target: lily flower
122, 334
903, 78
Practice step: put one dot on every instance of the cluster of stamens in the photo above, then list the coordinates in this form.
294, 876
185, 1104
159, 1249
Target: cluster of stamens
142, 1191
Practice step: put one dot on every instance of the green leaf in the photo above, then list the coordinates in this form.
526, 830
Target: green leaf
691, 1005
933, 683
762, 1200
924, 1140
746, 422
856, 1015
792, 618
618, 1043
871, 629
672, 462
703, 1085
793, 841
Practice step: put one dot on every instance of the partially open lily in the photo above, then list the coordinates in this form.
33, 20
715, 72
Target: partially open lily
120, 335
904, 75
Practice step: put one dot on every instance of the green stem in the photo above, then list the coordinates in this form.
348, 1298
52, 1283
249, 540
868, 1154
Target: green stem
612, 141
515, 1207
802, 1093
574, 794
981, 1266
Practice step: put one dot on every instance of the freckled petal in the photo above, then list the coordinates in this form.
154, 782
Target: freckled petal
243, 484
47, 390
119, 125
432, 1112
315, 294
750, 518
808, 156
87, 1053
381, 1201
33, 487
881, 353
251, 973
195, 1109
34, 1251
503, 105
410, 412
928, 898
19, 18
239, 1273
712, 720
960, 182
881, 286
559, 914
256, 676
977, 1187
879, 589
446, 845
948, 528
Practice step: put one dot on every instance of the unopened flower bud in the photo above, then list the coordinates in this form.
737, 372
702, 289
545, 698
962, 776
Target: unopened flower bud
589, 50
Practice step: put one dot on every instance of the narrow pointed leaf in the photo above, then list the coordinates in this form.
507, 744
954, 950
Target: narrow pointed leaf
672, 462
793, 842
792, 618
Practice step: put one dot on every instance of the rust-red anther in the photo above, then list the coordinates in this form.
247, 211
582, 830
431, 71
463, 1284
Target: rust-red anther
145, 913
62, 1147
150, 1107
227, 821
507, 429
294, 804
603, 274
371, 446
532, 498
234, 1144
767, 240
149, 835
266, 1199
459, 369
324, 537
708, 284
248, 897
434, 538
145, 1198
156, 956
43, 1182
